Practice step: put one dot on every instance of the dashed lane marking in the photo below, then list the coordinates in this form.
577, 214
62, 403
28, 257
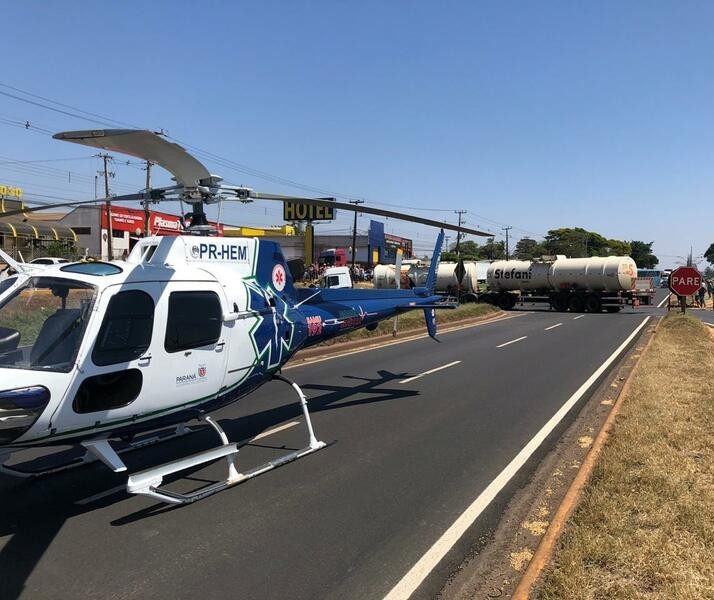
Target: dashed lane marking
552, 327
512, 341
277, 429
430, 371
383, 344
578, 317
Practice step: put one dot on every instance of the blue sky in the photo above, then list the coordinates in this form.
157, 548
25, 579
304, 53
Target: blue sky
533, 114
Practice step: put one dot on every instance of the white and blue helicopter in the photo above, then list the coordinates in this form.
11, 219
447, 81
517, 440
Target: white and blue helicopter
96, 352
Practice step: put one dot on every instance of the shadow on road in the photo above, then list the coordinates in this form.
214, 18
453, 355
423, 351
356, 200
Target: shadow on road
35, 510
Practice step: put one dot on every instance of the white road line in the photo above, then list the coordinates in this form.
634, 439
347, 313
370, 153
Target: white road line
512, 341
382, 344
578, 317
707, 324
419, 572
552, 327
663, 301
283, 427
100, 495
430, 371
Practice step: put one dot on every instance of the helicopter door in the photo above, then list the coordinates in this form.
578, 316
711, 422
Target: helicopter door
190, 367
116, 378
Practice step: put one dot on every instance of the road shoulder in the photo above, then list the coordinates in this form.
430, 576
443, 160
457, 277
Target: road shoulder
494, 568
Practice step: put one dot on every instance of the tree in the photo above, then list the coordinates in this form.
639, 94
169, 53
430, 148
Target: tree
709, 254
576, 242
572, 242
618, 248
493, 250
528, 249
641, 253
469, 250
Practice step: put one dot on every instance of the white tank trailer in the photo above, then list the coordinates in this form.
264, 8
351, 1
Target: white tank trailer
446, 280
576, 284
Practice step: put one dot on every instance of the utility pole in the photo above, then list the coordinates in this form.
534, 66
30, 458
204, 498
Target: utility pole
507, 229
354, 232
146, 201
458, 233
107, 206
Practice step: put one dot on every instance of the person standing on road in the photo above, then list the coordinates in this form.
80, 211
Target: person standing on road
702, 294
710, 288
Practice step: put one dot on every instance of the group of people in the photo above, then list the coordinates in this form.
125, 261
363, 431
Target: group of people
707, 288
315, 271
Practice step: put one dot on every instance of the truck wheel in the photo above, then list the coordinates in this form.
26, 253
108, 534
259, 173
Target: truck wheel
559, 302
593, 304
613, 309
506, 301
576, 303
468, 297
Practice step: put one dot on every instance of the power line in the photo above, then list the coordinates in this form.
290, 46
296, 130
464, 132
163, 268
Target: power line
97, 118
24, 162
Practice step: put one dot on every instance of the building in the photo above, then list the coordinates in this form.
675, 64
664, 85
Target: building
31, 235
89, 223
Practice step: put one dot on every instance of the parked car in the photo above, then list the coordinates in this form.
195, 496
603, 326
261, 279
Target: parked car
48, 260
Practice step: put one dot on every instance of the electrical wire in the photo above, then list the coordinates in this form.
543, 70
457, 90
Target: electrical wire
100, 119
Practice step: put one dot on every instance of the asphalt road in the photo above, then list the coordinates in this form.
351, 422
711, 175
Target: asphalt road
405, 459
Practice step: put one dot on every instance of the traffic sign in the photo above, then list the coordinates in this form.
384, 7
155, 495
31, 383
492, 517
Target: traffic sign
685, 281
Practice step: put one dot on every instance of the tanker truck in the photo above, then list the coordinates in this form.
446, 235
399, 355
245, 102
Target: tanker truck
576, 284
473, 280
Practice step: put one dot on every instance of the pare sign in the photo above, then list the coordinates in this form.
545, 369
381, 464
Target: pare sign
685, 281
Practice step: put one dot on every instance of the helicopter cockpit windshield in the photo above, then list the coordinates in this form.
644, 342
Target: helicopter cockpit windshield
43, 322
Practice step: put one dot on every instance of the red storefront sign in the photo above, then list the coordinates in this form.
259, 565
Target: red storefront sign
132, 220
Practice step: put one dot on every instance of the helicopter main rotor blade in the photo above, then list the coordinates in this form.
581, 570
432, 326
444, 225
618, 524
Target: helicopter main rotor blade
200, 187
146, 145
369, 210
124, 198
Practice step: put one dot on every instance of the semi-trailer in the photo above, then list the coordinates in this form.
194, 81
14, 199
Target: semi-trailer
575, 284
472, 281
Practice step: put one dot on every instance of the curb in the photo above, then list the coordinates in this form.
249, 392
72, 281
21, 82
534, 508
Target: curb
546, 547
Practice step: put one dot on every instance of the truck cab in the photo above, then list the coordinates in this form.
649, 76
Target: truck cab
336, 277
333, 257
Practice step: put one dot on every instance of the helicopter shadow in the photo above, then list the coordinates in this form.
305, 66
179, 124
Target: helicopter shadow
35, 510
249, 426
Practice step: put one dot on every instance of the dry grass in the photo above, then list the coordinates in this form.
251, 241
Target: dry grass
645, 526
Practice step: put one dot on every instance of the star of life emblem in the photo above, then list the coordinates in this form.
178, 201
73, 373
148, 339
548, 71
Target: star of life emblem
279, 277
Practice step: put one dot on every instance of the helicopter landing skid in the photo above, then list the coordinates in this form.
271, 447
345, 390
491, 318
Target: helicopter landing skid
90, 457
146, 483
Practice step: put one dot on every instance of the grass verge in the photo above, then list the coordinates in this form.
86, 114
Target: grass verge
414, 320
645, 524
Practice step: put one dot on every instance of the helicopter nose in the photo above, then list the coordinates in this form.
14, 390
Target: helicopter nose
19, 409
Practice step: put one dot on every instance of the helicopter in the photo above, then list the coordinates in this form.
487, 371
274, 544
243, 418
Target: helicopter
92, 353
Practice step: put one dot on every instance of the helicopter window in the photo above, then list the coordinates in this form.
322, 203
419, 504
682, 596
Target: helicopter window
126, 331
107, 391
149, 252
99, 269
45, 319
195, 319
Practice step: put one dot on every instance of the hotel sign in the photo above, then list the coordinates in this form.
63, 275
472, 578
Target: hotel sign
298, 211
8, 191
